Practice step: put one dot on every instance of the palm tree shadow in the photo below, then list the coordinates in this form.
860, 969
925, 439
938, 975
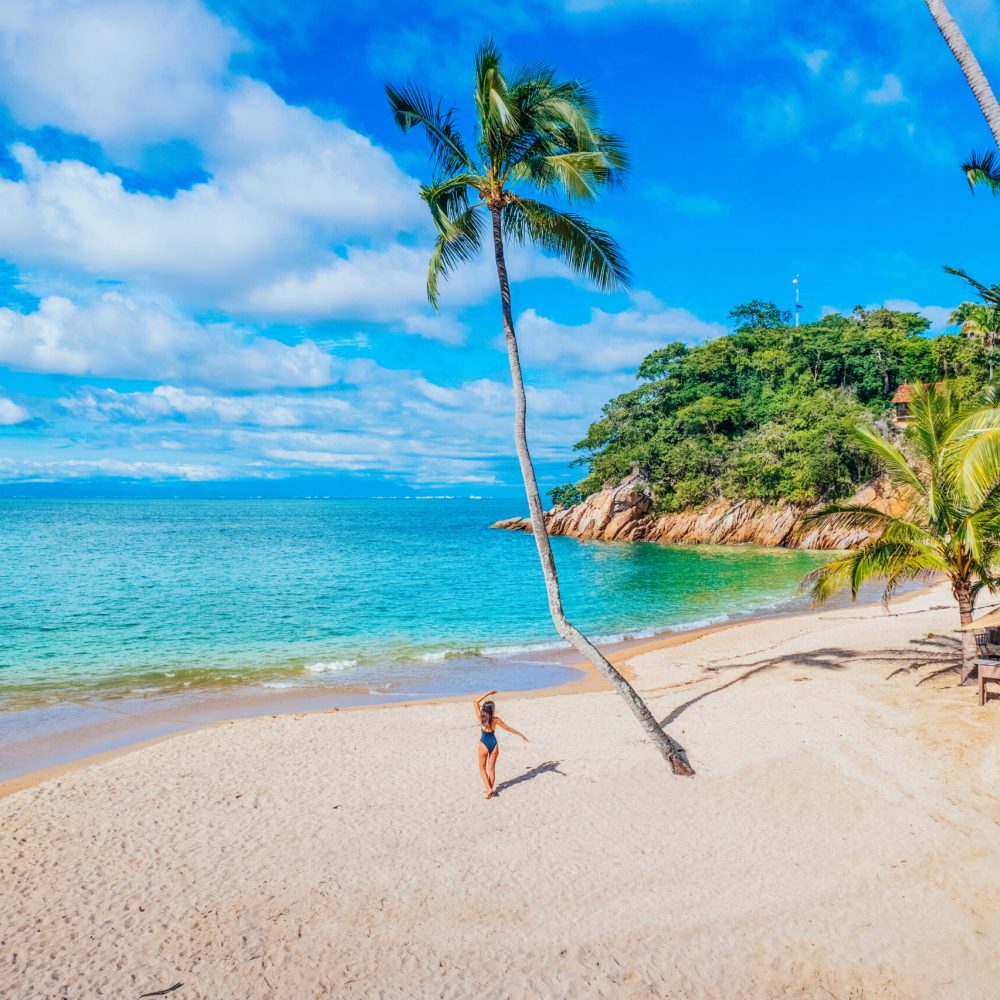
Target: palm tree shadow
824, 659
921, 654
549, 767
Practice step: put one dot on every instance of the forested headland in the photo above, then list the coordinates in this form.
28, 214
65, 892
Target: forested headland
767, 411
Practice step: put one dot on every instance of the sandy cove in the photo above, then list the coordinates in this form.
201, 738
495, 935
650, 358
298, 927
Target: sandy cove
838, 840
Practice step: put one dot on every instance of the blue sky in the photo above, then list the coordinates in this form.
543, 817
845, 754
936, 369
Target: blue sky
212, 251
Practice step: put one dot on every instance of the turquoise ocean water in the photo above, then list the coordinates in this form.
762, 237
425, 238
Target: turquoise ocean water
114, 598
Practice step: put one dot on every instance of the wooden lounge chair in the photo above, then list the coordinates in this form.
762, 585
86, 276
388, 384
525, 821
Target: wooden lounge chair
987, 664
989, 670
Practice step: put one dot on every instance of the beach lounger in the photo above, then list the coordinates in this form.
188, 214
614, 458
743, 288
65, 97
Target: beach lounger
989, 670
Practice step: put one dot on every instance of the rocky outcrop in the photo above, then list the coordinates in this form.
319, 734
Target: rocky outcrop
624, 513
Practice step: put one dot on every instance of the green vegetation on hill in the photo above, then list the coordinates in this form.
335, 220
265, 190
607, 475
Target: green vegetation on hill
768, 410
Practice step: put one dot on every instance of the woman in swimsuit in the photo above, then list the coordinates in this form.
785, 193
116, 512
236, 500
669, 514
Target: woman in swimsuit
488, 748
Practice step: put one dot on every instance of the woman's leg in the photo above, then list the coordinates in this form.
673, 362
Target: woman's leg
482, 770
491, 765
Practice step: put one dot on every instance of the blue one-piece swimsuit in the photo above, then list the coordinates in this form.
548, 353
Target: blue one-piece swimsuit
488, 740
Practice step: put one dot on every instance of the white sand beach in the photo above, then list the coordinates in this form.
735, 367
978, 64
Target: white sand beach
838, 840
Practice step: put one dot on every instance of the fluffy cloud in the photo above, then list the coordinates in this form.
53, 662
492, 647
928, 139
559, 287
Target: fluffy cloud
32, 471
12, 413
610, 342
169, 402
119, 71
939, 316
284, 184
376, 420
889, 91
118, 336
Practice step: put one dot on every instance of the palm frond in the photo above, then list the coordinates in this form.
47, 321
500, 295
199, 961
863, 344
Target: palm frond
858, 517
983, 168
588, 250
973, 461
449, 199
988, 293
414, 108
992, 584
496, 114
886, 559
896, 465
579, 175
460, 247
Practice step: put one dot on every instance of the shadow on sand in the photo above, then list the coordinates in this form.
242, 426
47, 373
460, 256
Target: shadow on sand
918, 656
549, 767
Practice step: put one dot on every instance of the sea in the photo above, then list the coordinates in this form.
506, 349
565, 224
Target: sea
111, 598
123, 602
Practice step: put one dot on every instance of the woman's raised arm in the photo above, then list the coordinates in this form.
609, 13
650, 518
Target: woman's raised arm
478, 701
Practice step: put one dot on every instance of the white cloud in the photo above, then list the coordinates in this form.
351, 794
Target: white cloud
890, 91
118, 336
123, 72
939, 316
284, 184
610, 342
12, 413
168, 402
815, 60
265, 211
388, 285
377, 421
32, 471
698, 205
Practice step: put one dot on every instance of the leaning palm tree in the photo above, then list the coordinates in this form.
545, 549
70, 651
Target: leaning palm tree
981, 168
534, 133
950, 524
974, 74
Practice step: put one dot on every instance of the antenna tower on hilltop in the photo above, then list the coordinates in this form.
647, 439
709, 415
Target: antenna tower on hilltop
795, 282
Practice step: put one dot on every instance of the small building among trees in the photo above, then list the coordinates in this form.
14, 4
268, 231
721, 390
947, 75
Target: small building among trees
901, 401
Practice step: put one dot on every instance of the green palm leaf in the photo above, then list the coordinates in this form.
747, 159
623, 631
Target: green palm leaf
413, 108
983, 168
896, 465
462, 245
588, 250
858, 517
989, 293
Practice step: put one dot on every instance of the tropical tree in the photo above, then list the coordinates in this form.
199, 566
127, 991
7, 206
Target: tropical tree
534, 134
981, 323
950, 524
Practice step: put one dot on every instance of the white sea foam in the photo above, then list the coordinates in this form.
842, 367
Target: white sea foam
330, 666
499, 652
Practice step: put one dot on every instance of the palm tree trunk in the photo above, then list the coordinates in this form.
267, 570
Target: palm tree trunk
952, 34
963, 595
670, 750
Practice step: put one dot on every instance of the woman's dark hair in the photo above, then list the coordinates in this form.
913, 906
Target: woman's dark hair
486, 714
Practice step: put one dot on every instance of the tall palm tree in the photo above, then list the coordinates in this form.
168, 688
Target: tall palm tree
950, 526
974, 74
534, 133
979, 322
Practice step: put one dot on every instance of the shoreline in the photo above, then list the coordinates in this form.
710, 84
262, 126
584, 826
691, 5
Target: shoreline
223, 709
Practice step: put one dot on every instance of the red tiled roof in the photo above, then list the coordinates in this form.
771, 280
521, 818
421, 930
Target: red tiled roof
905, 391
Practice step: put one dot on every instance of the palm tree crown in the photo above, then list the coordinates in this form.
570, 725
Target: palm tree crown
950, 494
532, 134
